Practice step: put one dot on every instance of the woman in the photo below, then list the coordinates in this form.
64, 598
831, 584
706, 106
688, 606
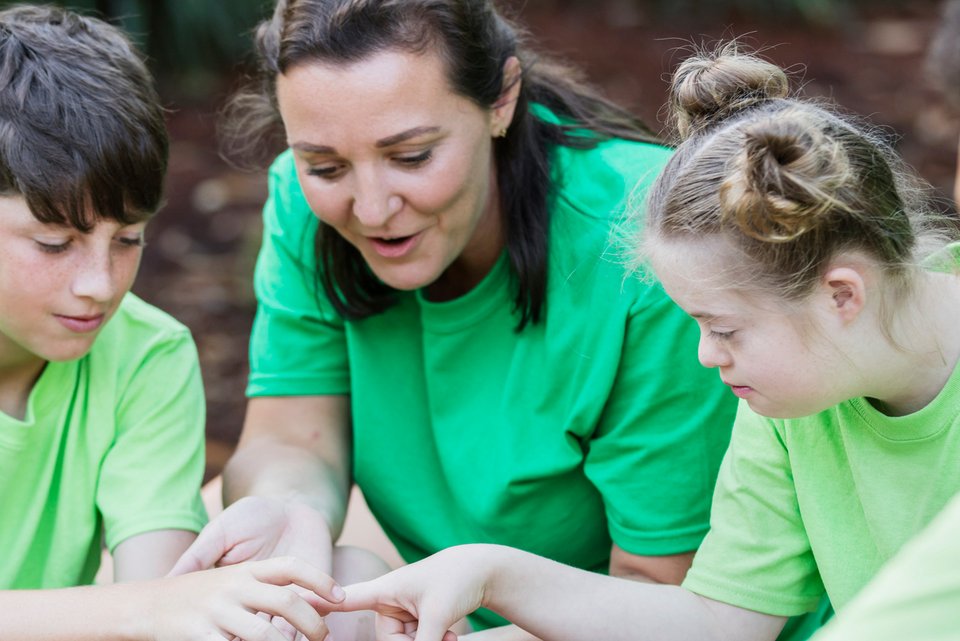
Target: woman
827, 288
460, 340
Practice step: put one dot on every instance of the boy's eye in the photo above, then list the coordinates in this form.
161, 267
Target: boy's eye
131, 241
53, 248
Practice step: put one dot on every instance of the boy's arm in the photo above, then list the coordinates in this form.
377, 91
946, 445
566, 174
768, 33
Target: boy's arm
204, 605
149, 555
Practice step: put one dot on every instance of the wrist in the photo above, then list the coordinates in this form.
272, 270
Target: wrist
494, 564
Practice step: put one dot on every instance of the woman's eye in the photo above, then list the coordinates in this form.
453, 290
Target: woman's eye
326, 171
53, 248
415, 161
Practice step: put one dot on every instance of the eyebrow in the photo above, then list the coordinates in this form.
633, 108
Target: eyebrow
383, 142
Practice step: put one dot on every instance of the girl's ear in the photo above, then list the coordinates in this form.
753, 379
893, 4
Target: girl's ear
507, 102
847, 292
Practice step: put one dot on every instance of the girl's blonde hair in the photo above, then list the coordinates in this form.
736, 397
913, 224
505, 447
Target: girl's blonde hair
789, 183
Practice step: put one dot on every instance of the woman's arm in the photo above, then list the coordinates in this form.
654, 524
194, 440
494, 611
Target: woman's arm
286, 486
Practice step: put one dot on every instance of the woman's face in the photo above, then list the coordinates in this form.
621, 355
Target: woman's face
398, 164
58, 286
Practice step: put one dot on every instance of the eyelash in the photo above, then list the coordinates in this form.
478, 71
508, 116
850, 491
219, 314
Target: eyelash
406, 161
47, 248
722, 336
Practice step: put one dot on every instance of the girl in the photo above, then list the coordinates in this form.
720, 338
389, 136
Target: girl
827, 294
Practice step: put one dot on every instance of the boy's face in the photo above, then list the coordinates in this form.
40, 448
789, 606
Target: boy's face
59, 286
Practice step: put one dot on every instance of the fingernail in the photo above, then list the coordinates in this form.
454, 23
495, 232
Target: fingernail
338, 593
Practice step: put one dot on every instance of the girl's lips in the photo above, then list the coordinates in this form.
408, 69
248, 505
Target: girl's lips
741, 391
81, 324
395, 247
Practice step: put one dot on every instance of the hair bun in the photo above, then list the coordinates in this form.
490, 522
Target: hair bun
710, 86
785, 181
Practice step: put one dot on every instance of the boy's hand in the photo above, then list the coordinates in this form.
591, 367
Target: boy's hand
223, 602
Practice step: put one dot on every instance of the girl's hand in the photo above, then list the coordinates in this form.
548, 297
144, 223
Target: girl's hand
424, 600
223, 602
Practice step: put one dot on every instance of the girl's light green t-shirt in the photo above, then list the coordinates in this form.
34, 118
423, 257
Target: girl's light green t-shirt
818, 504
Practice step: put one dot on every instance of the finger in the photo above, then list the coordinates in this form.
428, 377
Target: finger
289, 632
287, 570
367, 595
249, 627
391, 629
203, 553
431, 628
284, 603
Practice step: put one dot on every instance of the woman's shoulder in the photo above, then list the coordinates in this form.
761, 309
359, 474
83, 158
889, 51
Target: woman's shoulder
604, 180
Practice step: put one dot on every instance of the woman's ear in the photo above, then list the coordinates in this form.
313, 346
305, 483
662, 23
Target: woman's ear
507, 102
847, 292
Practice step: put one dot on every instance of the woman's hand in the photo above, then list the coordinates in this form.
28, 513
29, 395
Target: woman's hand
257, 527
223, 602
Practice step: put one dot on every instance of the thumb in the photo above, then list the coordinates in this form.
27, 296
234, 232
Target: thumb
208, 548
431, 628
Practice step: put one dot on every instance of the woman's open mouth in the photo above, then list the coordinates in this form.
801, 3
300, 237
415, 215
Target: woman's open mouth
396, 247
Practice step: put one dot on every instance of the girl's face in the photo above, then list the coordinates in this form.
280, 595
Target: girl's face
398, 165
778, 358
59, 286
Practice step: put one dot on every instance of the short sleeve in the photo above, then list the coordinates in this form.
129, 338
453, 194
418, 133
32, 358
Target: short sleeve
151, 475
757, 555
656, 451
298, 344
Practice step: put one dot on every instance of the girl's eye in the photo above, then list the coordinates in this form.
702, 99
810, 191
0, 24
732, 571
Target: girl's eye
722, 336
417, 160
53, 248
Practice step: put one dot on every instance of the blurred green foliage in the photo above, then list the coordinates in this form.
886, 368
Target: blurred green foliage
182, 36
197, 37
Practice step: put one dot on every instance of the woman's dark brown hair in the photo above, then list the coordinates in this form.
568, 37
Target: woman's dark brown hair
475, 41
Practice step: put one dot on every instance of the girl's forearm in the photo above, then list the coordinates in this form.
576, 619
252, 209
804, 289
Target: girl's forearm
556, 601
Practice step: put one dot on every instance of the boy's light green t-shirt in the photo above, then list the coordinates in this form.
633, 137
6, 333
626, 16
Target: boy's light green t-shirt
820, 503
597, 425
112, 446
916, 596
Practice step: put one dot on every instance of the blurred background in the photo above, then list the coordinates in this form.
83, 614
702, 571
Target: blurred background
868, 55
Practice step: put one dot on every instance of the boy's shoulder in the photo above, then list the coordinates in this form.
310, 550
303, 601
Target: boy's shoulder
136, 330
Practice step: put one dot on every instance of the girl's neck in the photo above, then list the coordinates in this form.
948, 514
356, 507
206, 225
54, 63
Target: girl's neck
916, 369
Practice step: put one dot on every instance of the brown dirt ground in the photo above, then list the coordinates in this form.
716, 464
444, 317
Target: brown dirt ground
202, 246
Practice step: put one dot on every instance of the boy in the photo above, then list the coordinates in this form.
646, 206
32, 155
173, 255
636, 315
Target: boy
101, 402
